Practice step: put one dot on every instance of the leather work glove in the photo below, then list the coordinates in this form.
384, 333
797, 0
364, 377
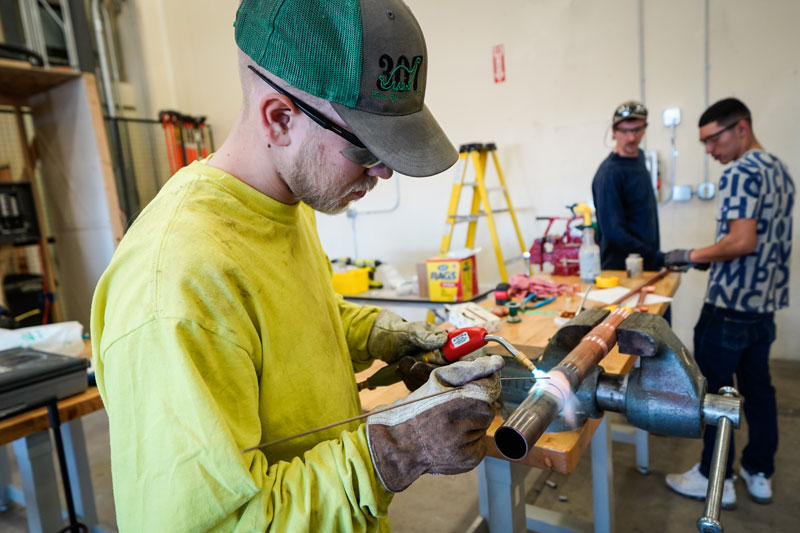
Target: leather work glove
439, 435
678, 258
392, 337
413, 372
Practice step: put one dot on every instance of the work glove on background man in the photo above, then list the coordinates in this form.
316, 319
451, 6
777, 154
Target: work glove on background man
677, 258
392, 337
439, 435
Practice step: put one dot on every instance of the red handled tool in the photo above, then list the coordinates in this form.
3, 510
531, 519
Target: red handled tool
463, 341
460, 342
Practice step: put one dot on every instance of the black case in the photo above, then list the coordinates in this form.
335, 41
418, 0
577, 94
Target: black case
28, 378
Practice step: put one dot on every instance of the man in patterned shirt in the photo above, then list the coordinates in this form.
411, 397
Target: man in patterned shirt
749, 281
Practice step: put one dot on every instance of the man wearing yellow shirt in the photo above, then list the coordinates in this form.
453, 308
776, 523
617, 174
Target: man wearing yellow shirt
216, 328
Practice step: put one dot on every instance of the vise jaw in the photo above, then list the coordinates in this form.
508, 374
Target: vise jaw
666, 392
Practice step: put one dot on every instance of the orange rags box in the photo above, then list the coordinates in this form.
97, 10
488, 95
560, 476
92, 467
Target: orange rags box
451, 279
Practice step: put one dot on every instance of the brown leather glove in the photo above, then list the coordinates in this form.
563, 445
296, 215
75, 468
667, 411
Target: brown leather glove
439, 435
392, 337
414, 373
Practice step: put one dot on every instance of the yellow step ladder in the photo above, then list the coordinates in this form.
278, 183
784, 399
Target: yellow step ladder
479, 154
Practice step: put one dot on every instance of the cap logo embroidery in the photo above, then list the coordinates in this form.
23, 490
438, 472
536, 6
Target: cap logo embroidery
400, 78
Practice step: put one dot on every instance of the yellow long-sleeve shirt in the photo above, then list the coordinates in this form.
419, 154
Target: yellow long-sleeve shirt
214, 328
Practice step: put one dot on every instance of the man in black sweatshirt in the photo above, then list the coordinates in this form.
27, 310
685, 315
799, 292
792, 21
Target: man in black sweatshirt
627, 213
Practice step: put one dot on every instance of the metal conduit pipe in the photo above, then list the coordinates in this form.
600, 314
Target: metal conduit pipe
353, 213
69, 35
112, 55
530, 420
105, 76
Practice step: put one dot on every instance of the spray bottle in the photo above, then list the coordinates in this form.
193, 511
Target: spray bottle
589, 253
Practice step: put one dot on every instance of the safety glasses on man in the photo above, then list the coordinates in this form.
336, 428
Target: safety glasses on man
714, 137
358, 153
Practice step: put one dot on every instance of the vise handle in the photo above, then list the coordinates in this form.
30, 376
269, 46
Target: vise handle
709, 522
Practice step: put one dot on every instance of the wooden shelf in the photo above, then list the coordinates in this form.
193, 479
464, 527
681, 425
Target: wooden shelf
19, 80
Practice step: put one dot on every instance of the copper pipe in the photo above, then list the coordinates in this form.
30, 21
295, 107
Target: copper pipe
643, 292
649, 281
530, 419
591, 349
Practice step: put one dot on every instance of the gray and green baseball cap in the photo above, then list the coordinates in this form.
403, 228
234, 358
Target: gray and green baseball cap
367, 57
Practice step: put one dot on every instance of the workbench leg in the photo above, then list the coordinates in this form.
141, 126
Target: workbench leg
501, 494
602, 479
642, 442
39, 482
5, 479
80, 476
642, 439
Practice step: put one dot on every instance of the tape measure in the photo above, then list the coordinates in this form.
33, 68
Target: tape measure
606, 282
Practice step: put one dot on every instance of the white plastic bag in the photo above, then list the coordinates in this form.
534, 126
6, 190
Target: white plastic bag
64, 338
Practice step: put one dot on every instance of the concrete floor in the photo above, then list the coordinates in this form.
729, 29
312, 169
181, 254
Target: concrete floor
643, 503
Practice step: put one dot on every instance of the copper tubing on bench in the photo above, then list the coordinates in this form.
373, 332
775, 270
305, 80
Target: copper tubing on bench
649, 281
529, 421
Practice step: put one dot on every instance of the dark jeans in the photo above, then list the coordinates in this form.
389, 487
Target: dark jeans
732, 342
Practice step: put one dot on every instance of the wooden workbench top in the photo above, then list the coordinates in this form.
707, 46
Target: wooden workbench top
558, 452
34, 421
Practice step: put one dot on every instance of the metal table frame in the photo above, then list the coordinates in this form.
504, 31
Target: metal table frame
39, 493
501, 489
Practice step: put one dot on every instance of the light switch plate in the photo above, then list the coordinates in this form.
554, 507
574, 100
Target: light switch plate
672, 116
682, 193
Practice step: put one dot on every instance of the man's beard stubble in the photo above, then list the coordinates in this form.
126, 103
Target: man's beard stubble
315, 184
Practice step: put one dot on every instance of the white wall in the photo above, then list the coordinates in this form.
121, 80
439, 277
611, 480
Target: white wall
568, 63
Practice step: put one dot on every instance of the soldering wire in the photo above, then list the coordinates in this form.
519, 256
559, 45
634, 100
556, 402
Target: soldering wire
365, 415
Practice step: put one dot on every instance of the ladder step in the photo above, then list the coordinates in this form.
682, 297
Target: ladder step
472, 218
488, 189
479, 154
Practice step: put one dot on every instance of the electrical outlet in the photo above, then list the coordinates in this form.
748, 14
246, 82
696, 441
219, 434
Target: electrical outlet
682, 193
671, 116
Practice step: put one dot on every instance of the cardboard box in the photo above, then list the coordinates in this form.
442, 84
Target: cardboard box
453, 278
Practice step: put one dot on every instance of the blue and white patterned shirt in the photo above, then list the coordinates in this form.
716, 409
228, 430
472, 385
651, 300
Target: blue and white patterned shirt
756, 186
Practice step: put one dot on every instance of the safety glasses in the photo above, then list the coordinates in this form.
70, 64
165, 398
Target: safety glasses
358, 153
714, 137
635, 131
626, 110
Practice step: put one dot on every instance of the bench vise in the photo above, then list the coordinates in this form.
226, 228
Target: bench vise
665, 395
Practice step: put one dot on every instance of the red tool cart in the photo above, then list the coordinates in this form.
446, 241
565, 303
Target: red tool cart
557, 253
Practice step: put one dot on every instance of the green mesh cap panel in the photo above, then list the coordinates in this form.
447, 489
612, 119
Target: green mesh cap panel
315, 45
